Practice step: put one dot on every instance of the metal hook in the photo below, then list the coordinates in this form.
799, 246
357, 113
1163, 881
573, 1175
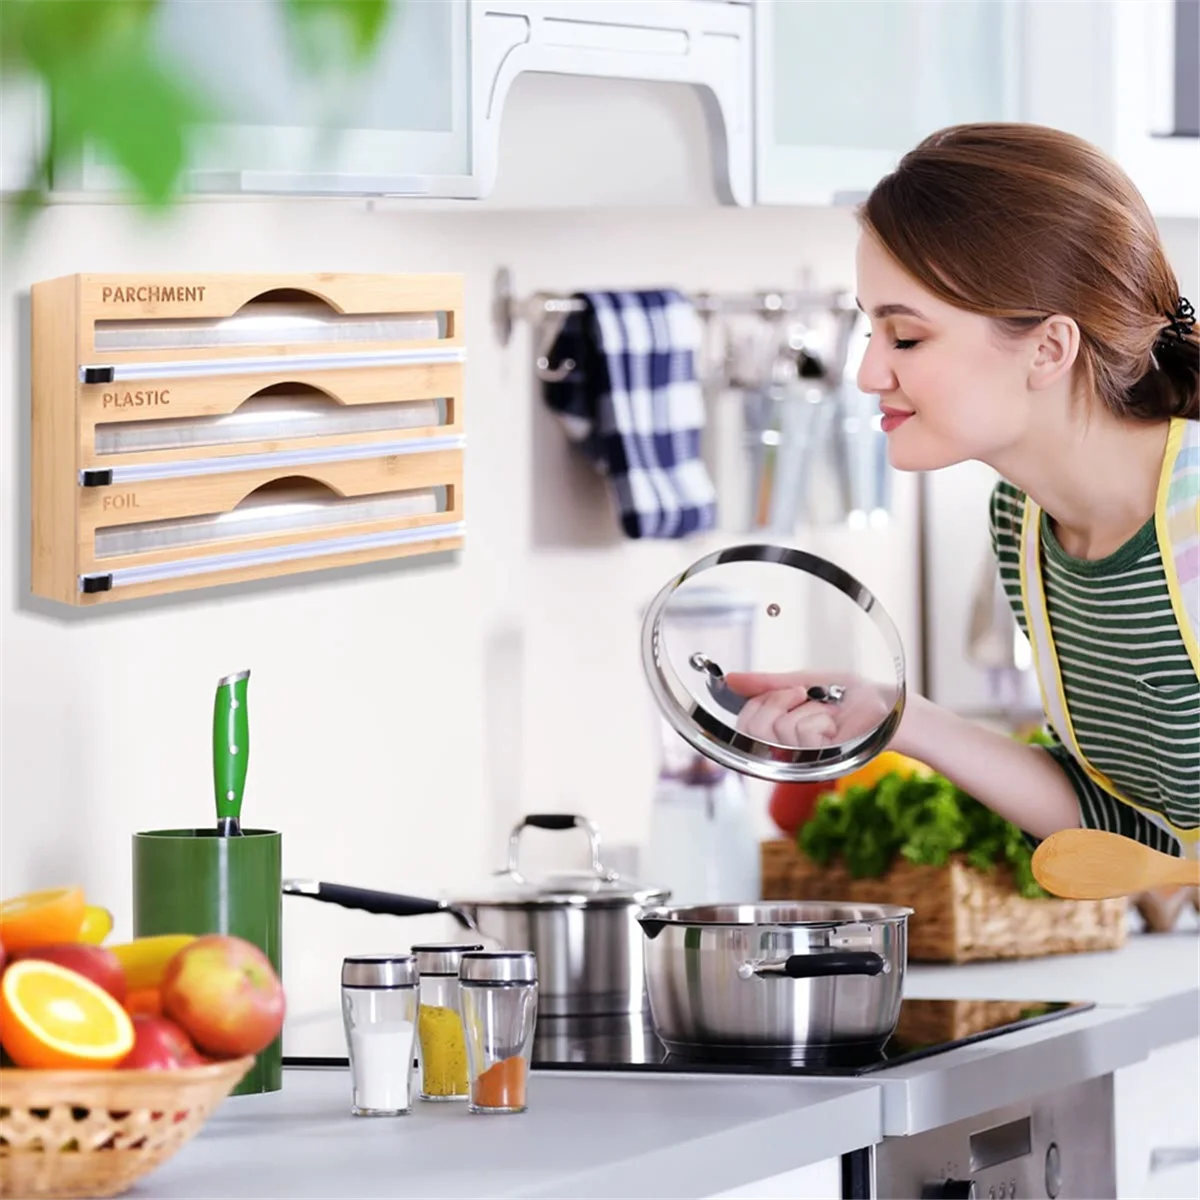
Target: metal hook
550, 326
549, 313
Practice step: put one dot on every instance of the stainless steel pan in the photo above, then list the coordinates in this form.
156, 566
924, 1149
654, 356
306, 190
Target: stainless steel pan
775, 978
582, 926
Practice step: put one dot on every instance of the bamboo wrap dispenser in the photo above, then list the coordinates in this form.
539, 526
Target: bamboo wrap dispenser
193, 430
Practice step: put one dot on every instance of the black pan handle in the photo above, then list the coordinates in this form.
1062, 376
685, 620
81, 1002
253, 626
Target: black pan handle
819, 965
553, 820
387, 903
834, 962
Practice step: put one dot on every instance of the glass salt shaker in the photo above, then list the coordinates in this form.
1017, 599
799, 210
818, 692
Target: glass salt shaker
443, 1050
379, 1011
498, 990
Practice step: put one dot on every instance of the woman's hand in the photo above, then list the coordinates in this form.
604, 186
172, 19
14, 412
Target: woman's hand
779, 709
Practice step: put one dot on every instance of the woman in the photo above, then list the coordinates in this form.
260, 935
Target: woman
1023, 314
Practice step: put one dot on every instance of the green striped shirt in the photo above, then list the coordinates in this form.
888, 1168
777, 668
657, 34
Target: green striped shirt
1130, 688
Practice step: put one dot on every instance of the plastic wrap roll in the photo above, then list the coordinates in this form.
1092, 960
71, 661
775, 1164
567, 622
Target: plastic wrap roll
265, 417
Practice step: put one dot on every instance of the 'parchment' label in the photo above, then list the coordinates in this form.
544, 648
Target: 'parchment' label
156, 293
144, 399
121, 500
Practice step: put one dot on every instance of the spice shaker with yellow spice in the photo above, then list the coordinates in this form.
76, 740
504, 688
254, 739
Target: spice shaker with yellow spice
499, 992
441, 1046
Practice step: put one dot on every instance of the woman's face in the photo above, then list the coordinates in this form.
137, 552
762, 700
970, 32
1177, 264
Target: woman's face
950, 386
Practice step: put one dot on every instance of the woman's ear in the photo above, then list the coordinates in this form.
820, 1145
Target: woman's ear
1056, 349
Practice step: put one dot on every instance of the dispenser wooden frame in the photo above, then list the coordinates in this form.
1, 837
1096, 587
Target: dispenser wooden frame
67, 411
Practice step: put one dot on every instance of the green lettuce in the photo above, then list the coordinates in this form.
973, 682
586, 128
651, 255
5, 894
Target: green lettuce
923, 818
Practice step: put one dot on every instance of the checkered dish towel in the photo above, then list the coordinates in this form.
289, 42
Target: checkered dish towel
634, 407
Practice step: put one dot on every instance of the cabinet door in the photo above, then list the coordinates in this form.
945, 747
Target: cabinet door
1123, 75
1155, 124
399, 125
845, 87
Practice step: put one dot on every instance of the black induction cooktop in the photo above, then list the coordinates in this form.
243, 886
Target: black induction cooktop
925, 1028
629, 1043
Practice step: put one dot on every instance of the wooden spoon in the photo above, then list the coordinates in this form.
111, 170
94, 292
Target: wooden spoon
1089, 864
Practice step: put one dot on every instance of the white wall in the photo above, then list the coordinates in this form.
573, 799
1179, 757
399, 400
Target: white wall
401, 716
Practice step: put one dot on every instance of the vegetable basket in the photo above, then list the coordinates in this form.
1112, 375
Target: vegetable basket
912, 837
960, 912
96, 1133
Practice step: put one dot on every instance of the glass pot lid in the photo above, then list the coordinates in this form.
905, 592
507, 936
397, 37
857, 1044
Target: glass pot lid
598, 886
813, 685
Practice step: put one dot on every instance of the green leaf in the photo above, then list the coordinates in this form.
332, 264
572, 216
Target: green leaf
317, 24
111, 89
135, 115
922, 819
106, 89
44, 34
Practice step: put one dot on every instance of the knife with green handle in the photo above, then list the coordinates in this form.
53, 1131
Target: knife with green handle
231, 750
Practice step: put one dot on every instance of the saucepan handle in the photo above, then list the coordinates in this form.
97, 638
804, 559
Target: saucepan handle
817, 966
555, 821
388, 903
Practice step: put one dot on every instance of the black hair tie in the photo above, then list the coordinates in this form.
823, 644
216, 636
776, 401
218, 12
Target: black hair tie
1180, 323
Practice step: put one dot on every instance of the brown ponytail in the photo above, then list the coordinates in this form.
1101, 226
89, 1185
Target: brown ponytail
1016, 222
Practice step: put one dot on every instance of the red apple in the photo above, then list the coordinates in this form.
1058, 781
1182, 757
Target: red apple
225, 994
96, 963
792, 804
159, 1045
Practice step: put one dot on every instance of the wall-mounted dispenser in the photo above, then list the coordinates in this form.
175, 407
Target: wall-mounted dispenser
193, 430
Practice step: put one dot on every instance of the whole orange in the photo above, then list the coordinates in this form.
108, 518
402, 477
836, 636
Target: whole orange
882, 765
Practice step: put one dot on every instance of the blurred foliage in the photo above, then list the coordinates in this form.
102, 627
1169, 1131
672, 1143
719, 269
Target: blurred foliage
110, 87
921, 817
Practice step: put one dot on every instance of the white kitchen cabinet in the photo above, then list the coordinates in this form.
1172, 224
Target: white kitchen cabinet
1109, 71
402, 125
424, 118
1158, 1122
844, 87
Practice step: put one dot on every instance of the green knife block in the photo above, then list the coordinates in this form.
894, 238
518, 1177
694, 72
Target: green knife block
193, 881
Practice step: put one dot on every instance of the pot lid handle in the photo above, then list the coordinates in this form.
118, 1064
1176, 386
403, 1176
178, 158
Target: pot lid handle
556, 821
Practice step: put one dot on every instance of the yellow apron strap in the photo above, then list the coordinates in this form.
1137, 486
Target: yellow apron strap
1041, 640
1177, 524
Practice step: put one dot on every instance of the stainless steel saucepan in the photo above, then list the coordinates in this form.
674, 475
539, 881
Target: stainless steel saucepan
581, 925
775, 979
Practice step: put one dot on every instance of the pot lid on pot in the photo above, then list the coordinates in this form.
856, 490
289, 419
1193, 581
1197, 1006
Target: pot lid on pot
597, 886
809, 688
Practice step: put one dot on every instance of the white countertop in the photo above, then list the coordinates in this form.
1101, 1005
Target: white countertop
593, 1135
583, 1137
1160, 972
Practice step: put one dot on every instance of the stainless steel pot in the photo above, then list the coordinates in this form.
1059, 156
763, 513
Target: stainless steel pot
775, 978
581, 926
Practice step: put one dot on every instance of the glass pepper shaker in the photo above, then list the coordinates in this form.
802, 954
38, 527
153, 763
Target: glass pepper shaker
379, 1011
499, 1005
443, 1049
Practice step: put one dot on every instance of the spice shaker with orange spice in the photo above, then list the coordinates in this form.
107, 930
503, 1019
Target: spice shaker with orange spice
498, 992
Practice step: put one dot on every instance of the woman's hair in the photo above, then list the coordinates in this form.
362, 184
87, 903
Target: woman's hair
1017, 222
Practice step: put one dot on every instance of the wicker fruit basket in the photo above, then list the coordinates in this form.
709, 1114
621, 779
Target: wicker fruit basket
960, 914
96, 1133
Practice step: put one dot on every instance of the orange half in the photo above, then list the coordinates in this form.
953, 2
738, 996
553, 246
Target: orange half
42, 918
53, 1017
